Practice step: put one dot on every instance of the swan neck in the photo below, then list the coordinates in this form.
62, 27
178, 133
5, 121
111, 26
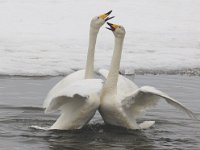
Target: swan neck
89, 69
111, 82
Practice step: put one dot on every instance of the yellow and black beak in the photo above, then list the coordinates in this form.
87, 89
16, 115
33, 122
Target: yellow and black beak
112, 27
105, 16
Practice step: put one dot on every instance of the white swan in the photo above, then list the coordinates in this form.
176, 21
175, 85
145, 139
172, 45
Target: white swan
77, 95
121, 100
95, 24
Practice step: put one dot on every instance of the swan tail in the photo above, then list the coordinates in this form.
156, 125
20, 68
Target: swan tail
146, 124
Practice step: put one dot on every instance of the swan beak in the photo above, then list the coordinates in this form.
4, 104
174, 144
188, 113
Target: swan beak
112, 27
105, 16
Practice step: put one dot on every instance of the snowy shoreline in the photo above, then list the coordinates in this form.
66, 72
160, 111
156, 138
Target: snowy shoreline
50, 38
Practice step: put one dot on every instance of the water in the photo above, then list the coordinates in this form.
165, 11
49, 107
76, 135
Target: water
20, 108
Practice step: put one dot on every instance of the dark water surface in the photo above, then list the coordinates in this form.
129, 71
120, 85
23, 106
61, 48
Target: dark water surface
20, 107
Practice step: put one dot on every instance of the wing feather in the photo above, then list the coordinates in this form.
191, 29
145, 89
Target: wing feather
73, 77
78, 91
147, 96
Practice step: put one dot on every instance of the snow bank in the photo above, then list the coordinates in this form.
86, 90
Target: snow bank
50, 37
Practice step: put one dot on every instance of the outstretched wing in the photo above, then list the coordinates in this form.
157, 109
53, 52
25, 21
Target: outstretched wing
73, 77
123, 84
76, 93
147, 96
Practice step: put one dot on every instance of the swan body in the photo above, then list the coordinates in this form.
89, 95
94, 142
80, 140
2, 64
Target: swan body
77, 102
122, 101
76, 96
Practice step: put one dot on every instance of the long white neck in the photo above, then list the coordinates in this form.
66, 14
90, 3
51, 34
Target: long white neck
111, 82
89, 69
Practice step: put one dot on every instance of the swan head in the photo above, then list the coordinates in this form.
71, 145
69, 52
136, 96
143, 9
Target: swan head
99, 21
118, 30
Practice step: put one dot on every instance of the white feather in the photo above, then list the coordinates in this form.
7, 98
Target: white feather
79, 91
146, 124
77, 95
148, 96
122, 101
122, 84
78, 103
76, 76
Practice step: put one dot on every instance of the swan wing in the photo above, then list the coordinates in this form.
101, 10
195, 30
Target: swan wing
123, 84
79, 91
78, 75
146, 97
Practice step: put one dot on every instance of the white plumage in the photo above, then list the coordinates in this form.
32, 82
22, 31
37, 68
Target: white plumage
122, 101
77, 95
76, 76
78, 103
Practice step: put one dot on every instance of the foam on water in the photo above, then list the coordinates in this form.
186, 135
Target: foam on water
46, 37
